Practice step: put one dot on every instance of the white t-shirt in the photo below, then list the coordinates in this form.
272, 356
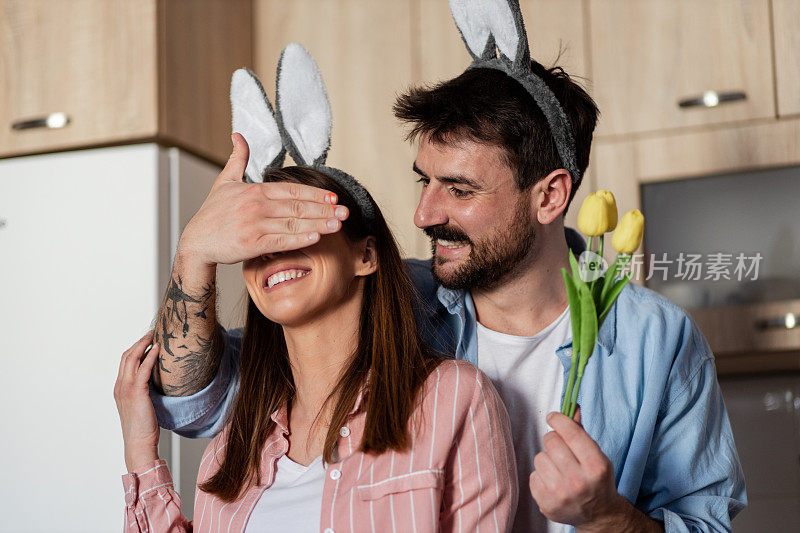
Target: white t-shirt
293, 502
529, 378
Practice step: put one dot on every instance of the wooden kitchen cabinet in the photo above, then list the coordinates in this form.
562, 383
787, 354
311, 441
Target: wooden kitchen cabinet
752, 338
623, 166
646, 56
121, 71
786, 21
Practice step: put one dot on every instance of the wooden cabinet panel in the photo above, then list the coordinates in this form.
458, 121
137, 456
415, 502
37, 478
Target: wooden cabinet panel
121, 71
732, 149
648, 55
786, 23
93, 60
201, 43
744, 329
555, 34
364, 51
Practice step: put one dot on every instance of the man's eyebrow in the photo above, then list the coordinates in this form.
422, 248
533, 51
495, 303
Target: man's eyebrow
454, 178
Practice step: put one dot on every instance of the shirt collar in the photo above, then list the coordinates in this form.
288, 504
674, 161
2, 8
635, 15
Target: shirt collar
454, 302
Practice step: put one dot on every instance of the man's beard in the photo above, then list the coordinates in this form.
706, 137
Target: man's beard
490, 260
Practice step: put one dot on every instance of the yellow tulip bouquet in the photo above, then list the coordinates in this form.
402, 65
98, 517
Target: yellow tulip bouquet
591, 292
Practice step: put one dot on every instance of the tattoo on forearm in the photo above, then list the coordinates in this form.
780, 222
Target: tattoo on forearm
192, 357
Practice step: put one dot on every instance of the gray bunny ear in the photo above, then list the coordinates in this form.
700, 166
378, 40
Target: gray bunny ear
253, 117
485, 24
304, 112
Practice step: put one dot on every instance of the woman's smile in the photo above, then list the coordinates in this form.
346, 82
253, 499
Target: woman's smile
280, 275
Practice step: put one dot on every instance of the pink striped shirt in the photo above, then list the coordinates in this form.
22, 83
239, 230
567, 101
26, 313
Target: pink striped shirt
457, 475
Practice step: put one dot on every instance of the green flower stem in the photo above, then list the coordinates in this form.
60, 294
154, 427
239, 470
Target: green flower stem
623, 260
586, 266
596, 285
570, 282
602, 242
588, 340
567, 403
574, 396
574, 404
611, 274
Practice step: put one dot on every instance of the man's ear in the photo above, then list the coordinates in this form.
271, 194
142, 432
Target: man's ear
550, 195
367, 262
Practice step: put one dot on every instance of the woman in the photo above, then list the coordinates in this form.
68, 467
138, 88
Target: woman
344, 420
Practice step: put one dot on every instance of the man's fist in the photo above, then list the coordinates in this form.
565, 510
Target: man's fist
240, 220
574, 481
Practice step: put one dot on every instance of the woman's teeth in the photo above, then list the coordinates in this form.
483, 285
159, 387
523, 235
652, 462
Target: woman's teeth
451, 244
286, 275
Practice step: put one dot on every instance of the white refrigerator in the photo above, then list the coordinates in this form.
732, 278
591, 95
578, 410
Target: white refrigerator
86, 243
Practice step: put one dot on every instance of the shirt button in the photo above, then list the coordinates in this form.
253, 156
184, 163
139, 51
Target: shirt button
328, 530
345, 431
336, 474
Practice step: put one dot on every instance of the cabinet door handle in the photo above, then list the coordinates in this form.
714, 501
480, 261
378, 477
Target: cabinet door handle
52, 121
712, 99
787, 321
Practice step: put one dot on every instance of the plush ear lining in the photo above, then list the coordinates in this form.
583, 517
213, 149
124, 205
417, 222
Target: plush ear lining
504, 19
475, 32
253, 117
303, 109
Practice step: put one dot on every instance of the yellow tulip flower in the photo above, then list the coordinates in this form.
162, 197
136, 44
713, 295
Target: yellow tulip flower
611, 207
628, 236
594, 218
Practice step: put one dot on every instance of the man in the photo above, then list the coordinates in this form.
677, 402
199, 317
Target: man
653, 450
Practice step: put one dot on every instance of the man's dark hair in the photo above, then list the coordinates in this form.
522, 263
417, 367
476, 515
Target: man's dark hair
487, 106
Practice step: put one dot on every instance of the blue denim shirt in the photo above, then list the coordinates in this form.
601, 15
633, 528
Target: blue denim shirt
649, 398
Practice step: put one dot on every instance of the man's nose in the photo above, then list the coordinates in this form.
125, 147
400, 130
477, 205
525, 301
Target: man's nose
429, 211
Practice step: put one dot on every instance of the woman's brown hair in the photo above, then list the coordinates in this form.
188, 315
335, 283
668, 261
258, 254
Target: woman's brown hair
390, 349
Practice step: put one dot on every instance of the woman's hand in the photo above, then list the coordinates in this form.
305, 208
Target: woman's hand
136, 413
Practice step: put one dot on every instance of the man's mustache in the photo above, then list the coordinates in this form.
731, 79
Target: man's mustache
446, 233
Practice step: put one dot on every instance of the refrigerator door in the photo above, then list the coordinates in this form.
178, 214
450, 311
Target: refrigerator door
79, 265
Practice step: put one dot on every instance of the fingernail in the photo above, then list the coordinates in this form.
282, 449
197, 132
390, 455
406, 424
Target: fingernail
331, 198
341, 213
549, 417
332, 224
313, 236
233, 142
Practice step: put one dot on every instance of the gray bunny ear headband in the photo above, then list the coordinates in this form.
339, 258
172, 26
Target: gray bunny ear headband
300, 124
495, 37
